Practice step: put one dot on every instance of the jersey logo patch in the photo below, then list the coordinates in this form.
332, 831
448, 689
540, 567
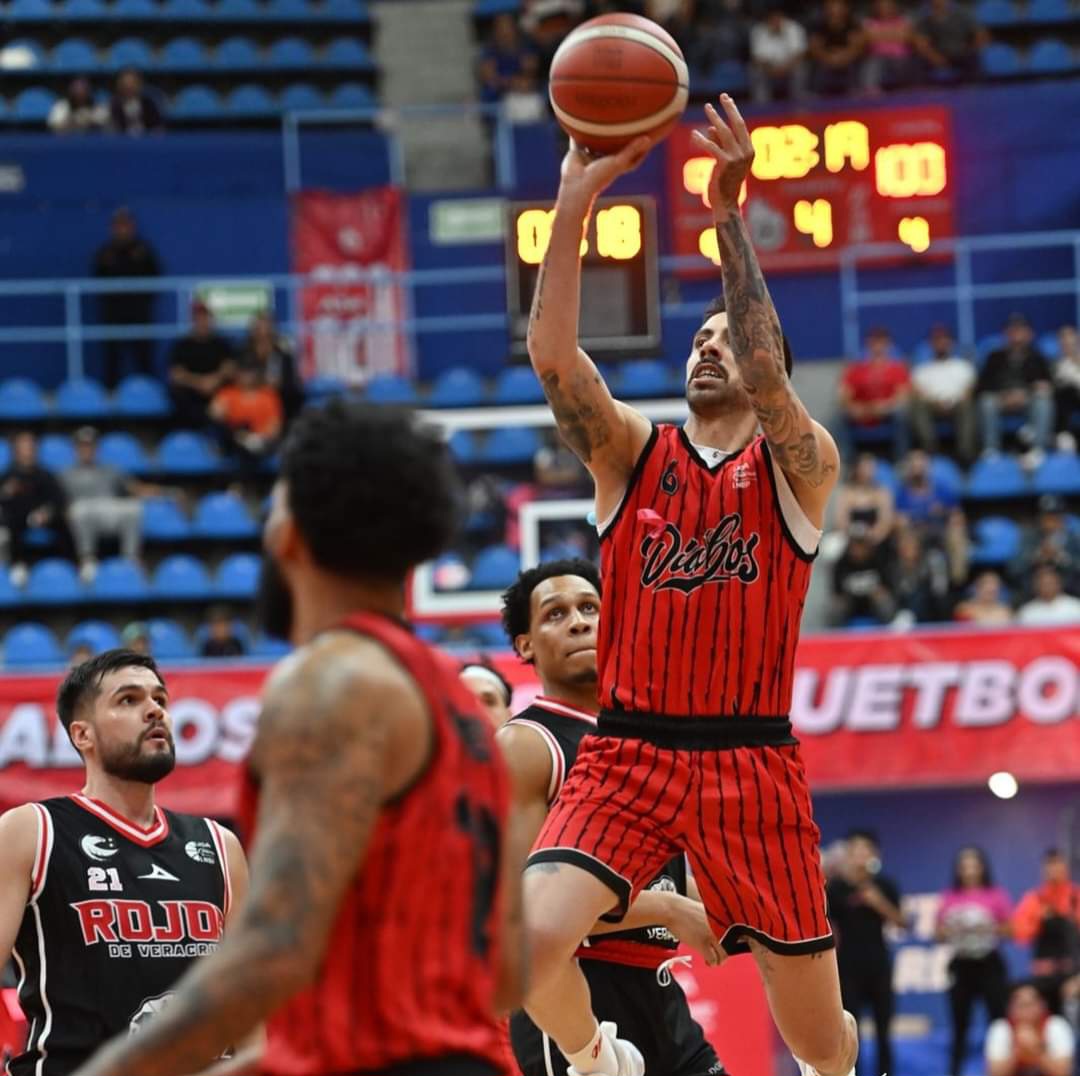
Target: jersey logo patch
200, 851
98, 848
159, 874
720, 555
147, 1010
742, 476
669, 480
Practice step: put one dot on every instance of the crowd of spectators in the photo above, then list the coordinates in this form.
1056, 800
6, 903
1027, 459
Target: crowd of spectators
132, 109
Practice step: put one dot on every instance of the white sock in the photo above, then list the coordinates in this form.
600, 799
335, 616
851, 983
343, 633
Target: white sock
598, 1055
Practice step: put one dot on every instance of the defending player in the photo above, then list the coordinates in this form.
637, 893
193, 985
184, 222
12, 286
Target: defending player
105, 898
376, 929
708, 534
550, 615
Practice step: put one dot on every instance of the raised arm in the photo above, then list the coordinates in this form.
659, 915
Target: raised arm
803, 448
607, 436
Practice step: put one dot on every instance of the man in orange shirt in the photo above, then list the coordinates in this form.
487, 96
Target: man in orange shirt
1048, 919
250, 413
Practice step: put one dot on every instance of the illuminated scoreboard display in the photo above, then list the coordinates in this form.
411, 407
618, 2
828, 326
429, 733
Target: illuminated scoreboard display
620, 300
820, 183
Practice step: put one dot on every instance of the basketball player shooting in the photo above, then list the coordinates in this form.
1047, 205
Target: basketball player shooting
708, 533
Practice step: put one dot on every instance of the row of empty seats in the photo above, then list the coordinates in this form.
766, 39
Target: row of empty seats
180, 577
31, 644
44, 11
1046, 57
77, 55
999, 477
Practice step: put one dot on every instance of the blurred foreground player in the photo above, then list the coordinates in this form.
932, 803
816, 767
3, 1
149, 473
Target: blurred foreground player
551, 615
105, 898
707, 537
375, 934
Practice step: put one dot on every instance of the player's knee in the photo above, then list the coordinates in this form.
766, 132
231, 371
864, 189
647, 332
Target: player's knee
828, 1048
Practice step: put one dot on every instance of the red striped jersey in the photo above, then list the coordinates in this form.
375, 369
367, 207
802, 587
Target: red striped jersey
410, 971
705, 567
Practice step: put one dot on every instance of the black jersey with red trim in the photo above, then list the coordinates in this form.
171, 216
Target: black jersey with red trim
705, 566
562, 728
115, 916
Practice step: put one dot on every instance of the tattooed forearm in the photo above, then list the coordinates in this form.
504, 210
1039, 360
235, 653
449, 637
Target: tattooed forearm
583, 426
538, 296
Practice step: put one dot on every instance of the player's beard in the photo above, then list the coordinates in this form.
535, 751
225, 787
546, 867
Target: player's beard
129, 763
273, 601
719, 401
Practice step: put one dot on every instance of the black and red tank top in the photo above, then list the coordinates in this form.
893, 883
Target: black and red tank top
705, 568
409, 976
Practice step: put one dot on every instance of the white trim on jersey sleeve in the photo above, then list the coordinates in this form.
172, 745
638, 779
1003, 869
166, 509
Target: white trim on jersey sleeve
223, 859
558, 760
42, 852
806, 535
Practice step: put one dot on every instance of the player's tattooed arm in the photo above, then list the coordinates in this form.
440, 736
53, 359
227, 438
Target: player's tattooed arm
802, 447
326, 759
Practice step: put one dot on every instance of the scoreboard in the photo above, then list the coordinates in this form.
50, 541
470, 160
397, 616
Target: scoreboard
821, 182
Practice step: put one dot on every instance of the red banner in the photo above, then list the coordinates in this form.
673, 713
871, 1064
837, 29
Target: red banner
872, 711
352, 321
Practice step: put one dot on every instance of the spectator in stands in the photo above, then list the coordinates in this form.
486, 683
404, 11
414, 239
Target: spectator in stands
30, 496
1017, 380
1050, 606
919, 580
509, 70
949, 40
1052, 541
1048, 919
986, 606
221, 639
890, 36
865, 502
77, 111
1067, 387
862, 902
491, 688
200, 363
777, 57
558, 474
861, 583
943, 388
249, 414
101, 501
1031, 1041
921, 499
136, 636
715, 32
133, 111
547, 22
874, 392
126, 254
266, 347
972, 919
837, 44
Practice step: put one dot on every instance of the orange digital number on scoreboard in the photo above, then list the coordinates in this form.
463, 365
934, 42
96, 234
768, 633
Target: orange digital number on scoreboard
615, 233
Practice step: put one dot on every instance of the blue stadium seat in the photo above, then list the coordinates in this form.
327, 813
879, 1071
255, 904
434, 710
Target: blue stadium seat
995, 477
5, 454
119, 580
945, 471
143, 397
390, 389
97, 634
996, 13
1050, 56
288, 10
457, 387
289, 53
23, 54
301, 97
486, 9
82, 399
354, 11
237, 54
31, 644
1049, 11
33, 105
1058, 473
510, 446
1000, 60
83, 10
183, 54
21, 399
723, 77
495, 568
186, 452
76, 56
319, 389
181, 577
263, 646
130, 52
135, 9
237, 576
56, 452
645, 378
164, 520
351, 95
250, 100
168, 640
122, 451
489, 634
1049, 345
347, 52
239, 10
517, 385
198, 10
463, 446
224, 515
997, 540
30, 10
54, 581
431, 634
986, 344
196, 103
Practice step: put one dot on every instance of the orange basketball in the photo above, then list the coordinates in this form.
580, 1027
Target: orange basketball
616, 77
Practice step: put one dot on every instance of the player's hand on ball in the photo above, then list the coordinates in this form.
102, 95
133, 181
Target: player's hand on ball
581, 171
688, 922
730, 146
